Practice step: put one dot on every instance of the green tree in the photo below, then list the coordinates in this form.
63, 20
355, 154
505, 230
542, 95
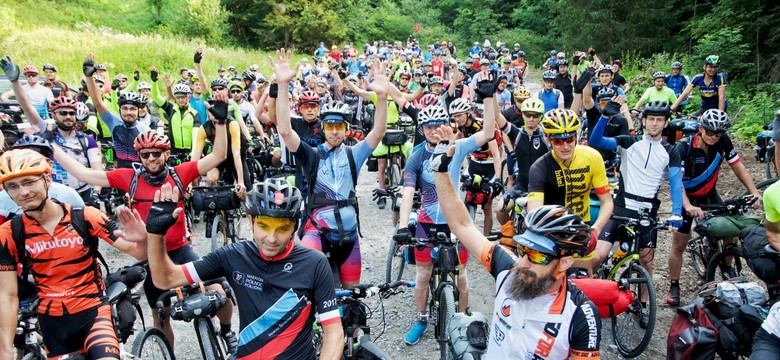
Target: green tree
157, 6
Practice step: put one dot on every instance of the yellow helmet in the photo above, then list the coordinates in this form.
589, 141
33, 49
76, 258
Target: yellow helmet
22, 162
533, 106
521, 93
560, 123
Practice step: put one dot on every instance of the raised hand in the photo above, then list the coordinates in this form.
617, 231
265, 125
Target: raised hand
89, 65
10, 69
198, 55
168, 80
381, 83
133, 223
284, 73
154, 73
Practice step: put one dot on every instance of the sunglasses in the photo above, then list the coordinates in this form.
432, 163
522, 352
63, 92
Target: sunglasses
218, 88
714, 132
66, 113
337, 126
309, 106
534, 256
153, 154
533, 116
560, 142
236, 91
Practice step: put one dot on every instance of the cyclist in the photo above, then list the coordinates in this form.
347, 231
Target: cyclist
181, 119
275, 318
677, 81
618, 124
536, 309
332, 171
513, 114
659, 92
566, 175
39, 95
617, 79
712, 88
520, 64
645, 161
564, 83
58, 87
702, 154
145, 116
73, 314
550, 96
246, 108
153, 151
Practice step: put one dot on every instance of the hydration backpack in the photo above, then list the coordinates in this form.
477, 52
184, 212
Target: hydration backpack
692, 335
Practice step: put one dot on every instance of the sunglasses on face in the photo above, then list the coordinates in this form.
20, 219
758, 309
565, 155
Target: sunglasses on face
66, 113
309, 107
534, 116
337, 126
236, 91
560, 142
534, 256
153, 154
714, 132
218, 88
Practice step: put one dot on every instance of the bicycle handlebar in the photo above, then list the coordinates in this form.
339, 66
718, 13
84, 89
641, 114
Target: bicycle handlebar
185, 290
643, 221
368, 290
214, 187
729, 207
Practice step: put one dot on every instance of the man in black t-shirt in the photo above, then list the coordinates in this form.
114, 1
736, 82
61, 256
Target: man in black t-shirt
618, 80
563, 82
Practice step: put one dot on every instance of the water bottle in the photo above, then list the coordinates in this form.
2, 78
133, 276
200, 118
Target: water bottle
621, 252
435, 254
412, 224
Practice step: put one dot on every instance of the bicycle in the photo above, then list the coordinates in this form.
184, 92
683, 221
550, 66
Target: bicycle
635, 278
221, 203
765, 151
195, 303
477, 193
398, 255
355, 134
396, 159
28, 331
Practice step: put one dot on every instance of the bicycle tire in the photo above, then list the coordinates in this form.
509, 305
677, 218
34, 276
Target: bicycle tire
446, 310
719, 263
32, 356
256, 172
208, 340
395, 262
763, 185
218, 236
152, 337
472, 209
698, 259
623, 335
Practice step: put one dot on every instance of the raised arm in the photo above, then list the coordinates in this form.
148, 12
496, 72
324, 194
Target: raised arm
198, 69
684, 96
284, 74
360, 92
380, 86
94, 93
11, 70
81, 172
219, 153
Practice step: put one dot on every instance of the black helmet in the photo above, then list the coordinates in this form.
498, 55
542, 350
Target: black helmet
657, 108
248, 75
274, 198
129, 98
49, 67
219, 82
36, 143
554, 229
605, 92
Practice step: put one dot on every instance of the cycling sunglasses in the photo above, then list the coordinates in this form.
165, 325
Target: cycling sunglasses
309, 106
337, 126
714, 132
66, 113
560, 142
153, 154
237, 91
534, 256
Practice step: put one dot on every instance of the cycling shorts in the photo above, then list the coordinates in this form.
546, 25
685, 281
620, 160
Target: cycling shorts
179, 256
90, 331
424, 255
346, 257
765, 345
611, 229
710, 199
228, 172
486, 170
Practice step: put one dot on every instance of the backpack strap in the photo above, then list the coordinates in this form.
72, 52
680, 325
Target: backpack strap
82, 228
17, 228
83, 142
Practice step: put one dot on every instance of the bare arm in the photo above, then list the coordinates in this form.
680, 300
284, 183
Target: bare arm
605, 212
360, 92
744, 177
380, 86
413, 95
199, 71
24, 102
722, 98
8, 313
587, 97
94, 93
81, 172
406, 206
684, 96
457, 217
284, 74
333, 344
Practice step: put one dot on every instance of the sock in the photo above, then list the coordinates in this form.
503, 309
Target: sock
224, 328
675, 282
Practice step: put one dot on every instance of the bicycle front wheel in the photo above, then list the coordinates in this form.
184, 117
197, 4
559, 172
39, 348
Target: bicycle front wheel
633, 328
761, 186
728, 264
218, 234
394, 172
152, 344
446, 310
395, 262
698, 258
208, 340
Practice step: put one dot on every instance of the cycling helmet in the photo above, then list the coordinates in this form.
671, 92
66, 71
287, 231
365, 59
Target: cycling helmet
426, 63
352, 78
261, 79
553, 53
128, 98
22, 162
436, 80
30, 70
459, 106
715, 120
521, 54
98, 79
309, 97
563, 62
151, 140
310, 78
712, 60
492, 56
417, 72
254, 67
36, 143
62, 102
433, 115
605, 68
429, 100
248, 75
533, 106
181, 89
237, 84
50, 67
560, 124
554, 229
191, 73
484, 62
144, 85
82, 112
521, 93
221, 69
469, 60
231, 68
548, 75
506, 60
677, 65
143, 100
605, 93
335, 112
659, 75
219, 82
274, 198
462, 68
657, 108
100, 67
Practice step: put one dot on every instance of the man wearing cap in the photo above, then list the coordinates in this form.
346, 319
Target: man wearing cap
564, 83
40, 96
58, 88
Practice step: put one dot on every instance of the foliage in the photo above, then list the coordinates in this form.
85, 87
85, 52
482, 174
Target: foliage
750, 111
203, 19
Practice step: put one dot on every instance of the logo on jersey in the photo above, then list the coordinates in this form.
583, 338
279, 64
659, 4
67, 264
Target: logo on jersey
498, 335
506, 308
238, 277
287, 267
547, 341
537, 143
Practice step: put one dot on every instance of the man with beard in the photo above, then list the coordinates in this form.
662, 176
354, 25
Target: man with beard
536, 307
153, 150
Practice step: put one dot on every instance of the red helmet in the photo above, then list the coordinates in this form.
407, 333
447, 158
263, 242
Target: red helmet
429, 100
151, 139
309, 97
30, 70
62, 102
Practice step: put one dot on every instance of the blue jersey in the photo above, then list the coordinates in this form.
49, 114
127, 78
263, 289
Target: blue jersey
334, 180
123, 136
418, 173
199, 105
709, 92
676, 83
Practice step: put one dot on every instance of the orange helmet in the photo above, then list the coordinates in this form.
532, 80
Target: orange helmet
22, 162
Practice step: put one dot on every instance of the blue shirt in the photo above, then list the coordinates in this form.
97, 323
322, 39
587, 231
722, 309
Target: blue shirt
199, 105
677, 83
709, 92
418, 171
123, 136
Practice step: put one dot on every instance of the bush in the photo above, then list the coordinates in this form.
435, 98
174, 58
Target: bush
752, 109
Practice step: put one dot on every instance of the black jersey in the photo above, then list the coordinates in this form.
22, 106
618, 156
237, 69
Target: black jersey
528, 148
513, 115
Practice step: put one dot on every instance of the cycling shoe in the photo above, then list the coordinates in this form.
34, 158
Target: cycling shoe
413, 335
673, 297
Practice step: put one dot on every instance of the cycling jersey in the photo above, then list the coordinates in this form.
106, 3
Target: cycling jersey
558, 325
58, 88
618, 80
40, 97
700, 167
278, 296
771, 204
180, 123
665, 94
483, 154
514, 115
62, 193
555, 183
418, 174
563, 82
618, 125
552, 98
677, 83
82, 148
392, 110
528, 148
120, 179
123, 136
709, 92
198, 104
67, 281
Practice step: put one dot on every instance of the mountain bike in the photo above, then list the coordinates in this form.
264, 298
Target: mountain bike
355, 314
398, 255
765, 151
633, 328
396, 159
221, 204
197, 304
28, 332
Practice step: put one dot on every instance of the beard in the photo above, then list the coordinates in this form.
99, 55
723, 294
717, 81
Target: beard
527, 285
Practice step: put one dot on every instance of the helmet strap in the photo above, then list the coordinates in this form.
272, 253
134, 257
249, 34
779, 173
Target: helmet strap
45, 200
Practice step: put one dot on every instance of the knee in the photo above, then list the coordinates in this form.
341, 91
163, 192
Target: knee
679, 242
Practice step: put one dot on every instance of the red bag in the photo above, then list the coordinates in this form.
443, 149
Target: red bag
692, 335
608, 297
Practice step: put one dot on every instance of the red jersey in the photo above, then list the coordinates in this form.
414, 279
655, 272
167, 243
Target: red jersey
335, 55
176, 236
437, 67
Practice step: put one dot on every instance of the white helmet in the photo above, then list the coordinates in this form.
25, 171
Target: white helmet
459, 106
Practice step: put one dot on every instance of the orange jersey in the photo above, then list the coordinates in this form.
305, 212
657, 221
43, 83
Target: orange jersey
68, 280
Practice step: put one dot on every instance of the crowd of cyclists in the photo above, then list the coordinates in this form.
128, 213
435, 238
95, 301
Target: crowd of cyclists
551, 152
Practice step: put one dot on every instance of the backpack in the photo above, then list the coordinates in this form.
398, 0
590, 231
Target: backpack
763, 263
78, 223
735, 310
468, 335
692, 335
